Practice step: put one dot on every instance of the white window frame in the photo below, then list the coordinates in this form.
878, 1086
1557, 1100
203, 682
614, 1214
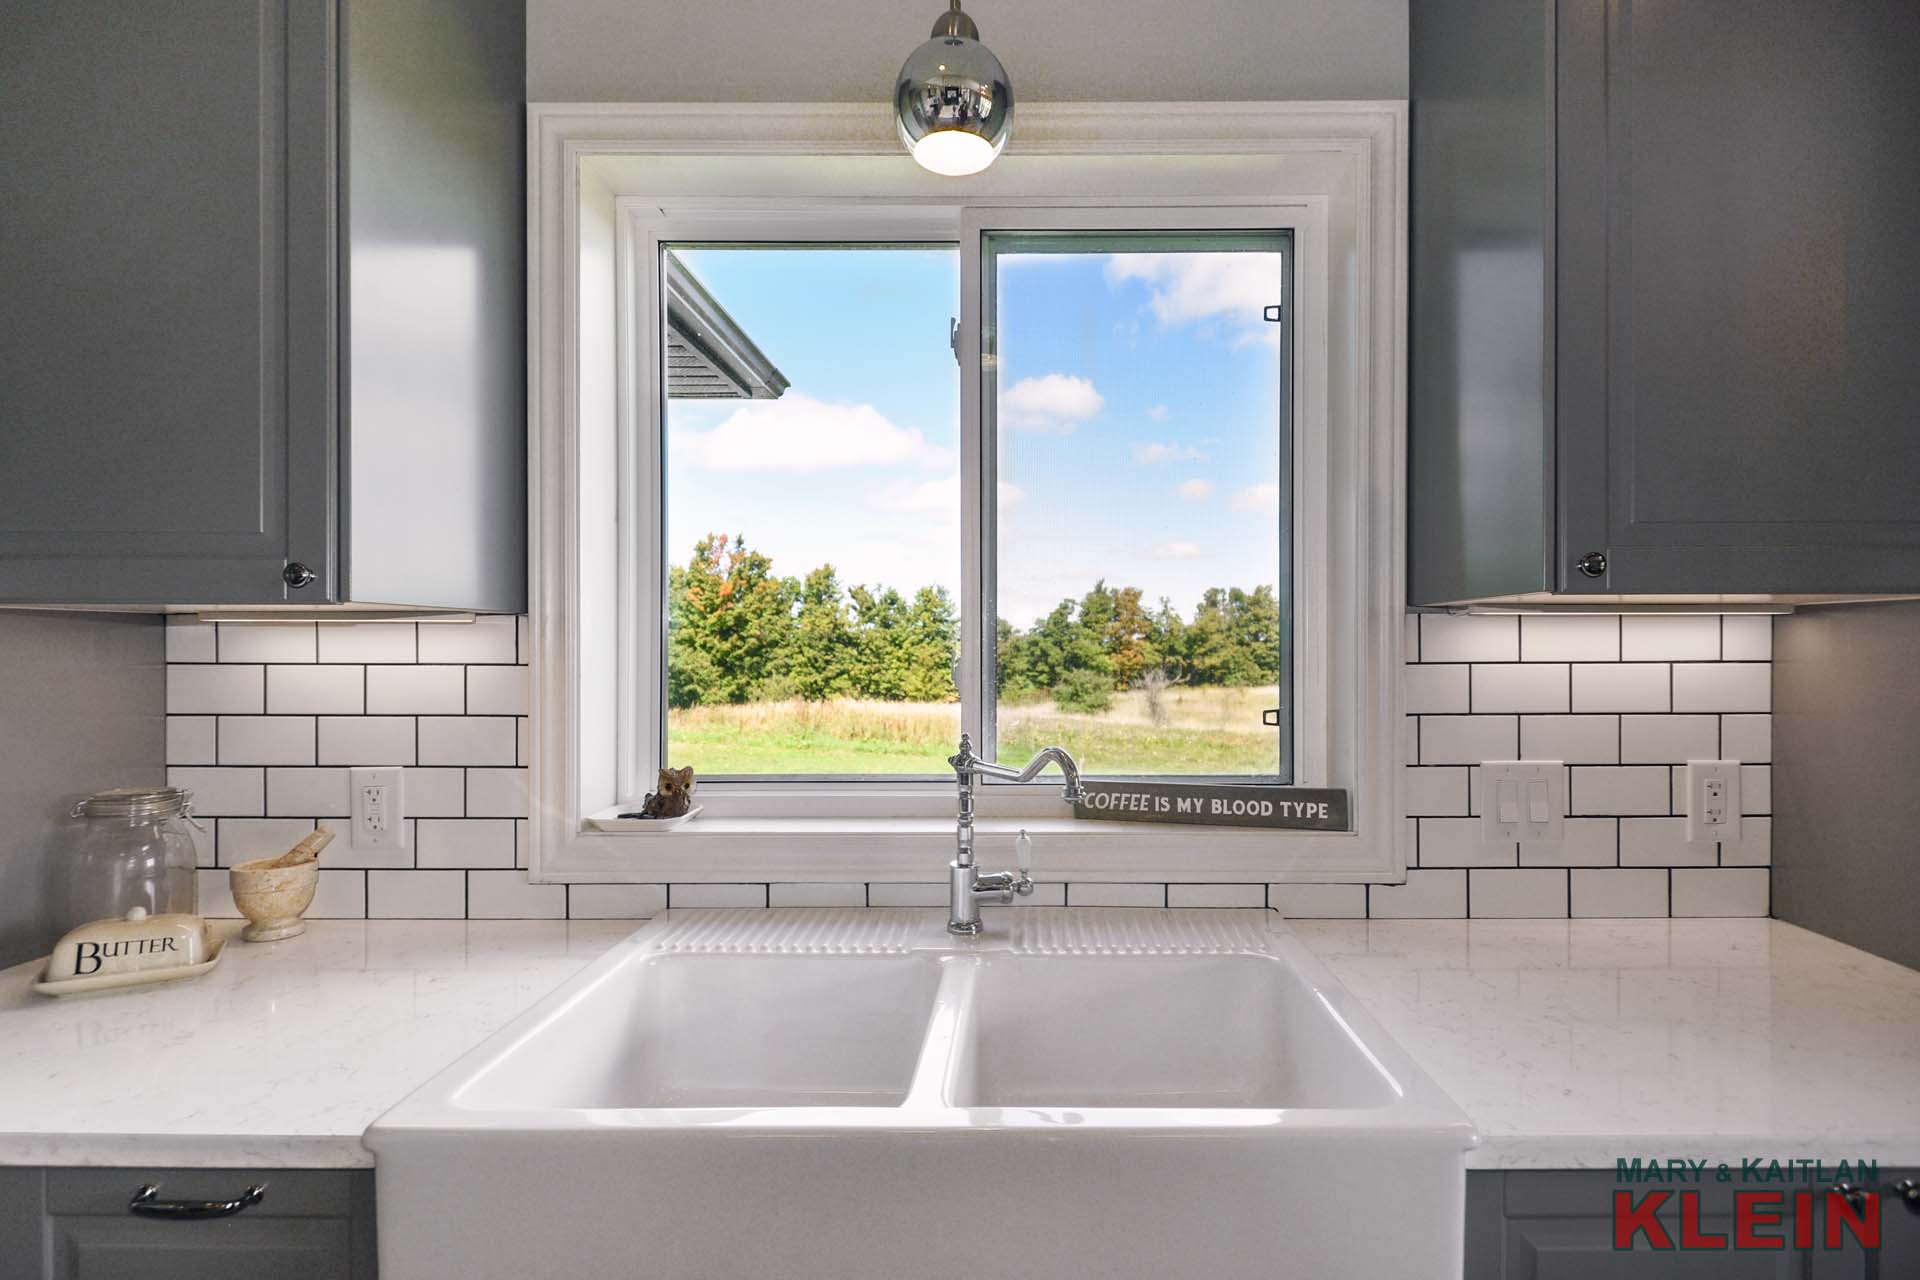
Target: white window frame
610, 182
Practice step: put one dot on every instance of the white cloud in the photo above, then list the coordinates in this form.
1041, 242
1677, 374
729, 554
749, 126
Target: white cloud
938, 498
1257, 497
1187, 288
800, 435
1052, 402
1158, 413
1195, 490
1010, 495
1157, 452
1177, 551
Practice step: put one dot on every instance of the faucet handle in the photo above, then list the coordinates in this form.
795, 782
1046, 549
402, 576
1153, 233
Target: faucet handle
1023, 859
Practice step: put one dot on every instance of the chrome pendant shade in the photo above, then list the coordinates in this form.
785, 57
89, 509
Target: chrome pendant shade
953, 102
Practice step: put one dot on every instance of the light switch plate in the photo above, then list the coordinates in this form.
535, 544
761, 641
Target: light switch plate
1713, 801
1523, 801
379, 809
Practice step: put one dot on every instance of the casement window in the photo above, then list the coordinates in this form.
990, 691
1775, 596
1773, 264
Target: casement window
832, 465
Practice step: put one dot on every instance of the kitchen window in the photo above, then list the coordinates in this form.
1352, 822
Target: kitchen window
830, 467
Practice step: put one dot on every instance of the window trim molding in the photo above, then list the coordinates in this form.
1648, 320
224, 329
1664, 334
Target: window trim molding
1352, 157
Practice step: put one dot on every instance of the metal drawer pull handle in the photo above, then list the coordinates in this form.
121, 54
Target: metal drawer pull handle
143, 1203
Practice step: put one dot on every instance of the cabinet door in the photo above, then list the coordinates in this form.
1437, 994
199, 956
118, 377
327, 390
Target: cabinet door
1738, 328
167, 344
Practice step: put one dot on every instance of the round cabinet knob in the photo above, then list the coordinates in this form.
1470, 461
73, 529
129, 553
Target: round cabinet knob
297, 575
1593, 564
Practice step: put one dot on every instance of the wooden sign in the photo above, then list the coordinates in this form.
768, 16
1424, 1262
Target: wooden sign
1215, 804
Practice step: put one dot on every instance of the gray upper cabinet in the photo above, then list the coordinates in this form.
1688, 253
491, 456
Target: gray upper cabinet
264, 273
1665, 298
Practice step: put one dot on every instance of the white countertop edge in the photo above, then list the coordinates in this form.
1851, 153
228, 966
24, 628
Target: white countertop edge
178, 1151
1601, 1150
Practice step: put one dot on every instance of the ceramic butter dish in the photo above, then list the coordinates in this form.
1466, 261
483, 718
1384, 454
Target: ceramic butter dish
126, 952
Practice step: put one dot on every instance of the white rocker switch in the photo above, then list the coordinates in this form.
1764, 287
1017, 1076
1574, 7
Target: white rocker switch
1523, 802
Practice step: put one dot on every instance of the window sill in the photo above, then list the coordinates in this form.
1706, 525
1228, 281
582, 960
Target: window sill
739, 849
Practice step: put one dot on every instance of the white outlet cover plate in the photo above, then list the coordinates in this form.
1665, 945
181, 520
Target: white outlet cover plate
1699, 774
360, 782
1520, 822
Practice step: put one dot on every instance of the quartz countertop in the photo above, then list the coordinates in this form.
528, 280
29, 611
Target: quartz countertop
1571, 1043
282, 1055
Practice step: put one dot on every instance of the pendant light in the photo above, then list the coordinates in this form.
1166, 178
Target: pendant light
953, 102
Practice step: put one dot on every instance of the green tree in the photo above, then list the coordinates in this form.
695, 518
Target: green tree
730, 621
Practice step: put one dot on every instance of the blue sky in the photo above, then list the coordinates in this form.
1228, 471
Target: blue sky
1138, 403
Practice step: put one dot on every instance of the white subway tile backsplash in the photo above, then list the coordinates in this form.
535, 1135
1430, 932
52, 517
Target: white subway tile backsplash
497, 793
507, 895
308, 793
1467, 739
267, 720
1562, 638
1097, 894
1603, 894
642, 901
408, 690
1426, 895
1520, 686
1436, 689
266, 642
435, 793
817, 894
190, 740
1670, 739
497, 691
366, 740
367, 642
1217, 895
1720, 891
464, 842
189, 640
1571, 739
1722, 686
316, 690
1747, 738
416, 895
468, 740
489, 639
1746, 639
1517, 893
1319, 901
1448, 637
1622, 686
1628, 789
1587, 842
339, 895
221, 793
266, 740
206, 690
1689, 637
681, 896
1461, 842
1661, 842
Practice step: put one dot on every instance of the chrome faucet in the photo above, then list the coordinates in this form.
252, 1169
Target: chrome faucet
968, 886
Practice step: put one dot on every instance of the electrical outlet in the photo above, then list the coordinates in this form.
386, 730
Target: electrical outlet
1523, 800
379, 809
1713, 801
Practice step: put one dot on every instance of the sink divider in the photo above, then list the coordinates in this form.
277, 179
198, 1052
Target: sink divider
946, 1052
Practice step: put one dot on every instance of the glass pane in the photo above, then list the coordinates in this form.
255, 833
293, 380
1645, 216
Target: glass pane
1142, 594
812, 509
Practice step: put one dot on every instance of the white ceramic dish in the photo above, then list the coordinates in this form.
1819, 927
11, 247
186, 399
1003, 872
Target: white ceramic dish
130, 978
644, 826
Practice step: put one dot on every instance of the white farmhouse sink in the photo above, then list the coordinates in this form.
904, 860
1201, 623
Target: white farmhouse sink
855, 1093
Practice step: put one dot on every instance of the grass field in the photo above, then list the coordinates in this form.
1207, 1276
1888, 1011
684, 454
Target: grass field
1206, 730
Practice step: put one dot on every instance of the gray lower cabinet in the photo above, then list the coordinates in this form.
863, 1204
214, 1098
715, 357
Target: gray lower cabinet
1664, 336
264, 272
75, 1224
1558, 1225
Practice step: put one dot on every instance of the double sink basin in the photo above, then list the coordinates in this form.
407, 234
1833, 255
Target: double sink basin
856, 1093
